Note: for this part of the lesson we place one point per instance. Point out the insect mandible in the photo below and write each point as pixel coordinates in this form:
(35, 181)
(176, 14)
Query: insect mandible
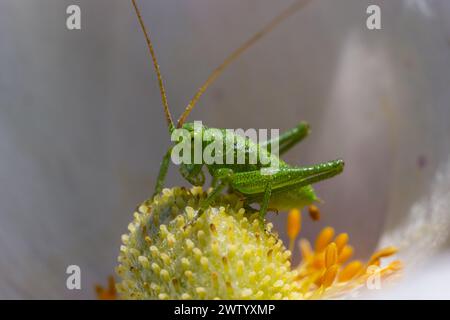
(286, 188)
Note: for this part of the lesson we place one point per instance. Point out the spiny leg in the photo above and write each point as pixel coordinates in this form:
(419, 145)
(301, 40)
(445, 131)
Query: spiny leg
(265, 200)
(253, 182)
(162, 173)
(289, 138)
(318, 176)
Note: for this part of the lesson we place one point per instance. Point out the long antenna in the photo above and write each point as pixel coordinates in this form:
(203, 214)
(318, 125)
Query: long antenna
(155, 64)
(233, 56)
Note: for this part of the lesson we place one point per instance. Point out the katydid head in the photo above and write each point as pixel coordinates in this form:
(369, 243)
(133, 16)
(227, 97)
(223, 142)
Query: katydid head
(190, 169)
(195, 130)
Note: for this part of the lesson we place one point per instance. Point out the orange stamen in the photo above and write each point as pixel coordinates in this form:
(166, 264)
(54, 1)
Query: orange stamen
(341, 240)
(383, 253)
(329, 276)
(346, 253)
(294, 225)
(350, 271)
(330, 255)
(324, 238)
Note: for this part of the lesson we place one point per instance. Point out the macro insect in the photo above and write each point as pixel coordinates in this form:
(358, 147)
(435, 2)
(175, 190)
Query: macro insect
(286, 188)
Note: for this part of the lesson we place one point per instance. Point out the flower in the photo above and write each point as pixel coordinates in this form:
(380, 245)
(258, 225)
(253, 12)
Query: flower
(171, 252)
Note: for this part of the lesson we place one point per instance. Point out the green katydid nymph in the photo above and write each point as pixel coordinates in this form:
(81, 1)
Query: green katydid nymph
(287, 187)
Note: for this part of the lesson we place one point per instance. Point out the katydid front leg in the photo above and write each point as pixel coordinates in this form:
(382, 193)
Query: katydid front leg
(193, 173)
(162, 173)
(223, 176)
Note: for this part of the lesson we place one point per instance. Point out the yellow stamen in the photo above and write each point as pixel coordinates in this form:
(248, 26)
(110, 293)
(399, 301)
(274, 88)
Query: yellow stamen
(330, 255)
(324, 238)
(350, 271)
(376, 262)
(383, 253)
(395, 265)
(341, 240)
(319, 261)
(391, 268)
(346, 253)
(329, 276)
(294, 225)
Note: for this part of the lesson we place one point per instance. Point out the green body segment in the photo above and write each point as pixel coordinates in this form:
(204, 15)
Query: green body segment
(295, 198)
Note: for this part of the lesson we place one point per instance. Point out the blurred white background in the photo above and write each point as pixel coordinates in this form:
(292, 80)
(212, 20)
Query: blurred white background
(82, 130)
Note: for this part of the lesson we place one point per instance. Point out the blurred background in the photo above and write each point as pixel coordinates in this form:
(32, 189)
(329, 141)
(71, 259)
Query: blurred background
(82, 130)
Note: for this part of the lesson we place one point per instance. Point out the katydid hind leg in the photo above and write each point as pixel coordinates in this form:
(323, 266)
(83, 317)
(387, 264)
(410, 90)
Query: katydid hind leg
(308, 181)
(289, 138)
(253, 182)
(298, 178)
